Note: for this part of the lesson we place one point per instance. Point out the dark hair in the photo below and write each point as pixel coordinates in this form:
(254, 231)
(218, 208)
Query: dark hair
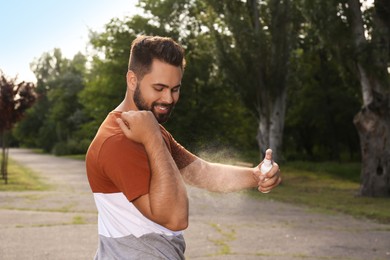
(146, 48)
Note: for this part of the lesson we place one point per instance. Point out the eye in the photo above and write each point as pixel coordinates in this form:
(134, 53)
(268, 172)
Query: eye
(175, 90)
(159, 88)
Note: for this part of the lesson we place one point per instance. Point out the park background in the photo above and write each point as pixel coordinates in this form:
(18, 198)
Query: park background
(281, 74)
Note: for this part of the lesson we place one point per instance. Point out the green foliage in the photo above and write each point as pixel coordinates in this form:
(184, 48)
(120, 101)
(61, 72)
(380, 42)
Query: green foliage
(321, 106)
(58, 114)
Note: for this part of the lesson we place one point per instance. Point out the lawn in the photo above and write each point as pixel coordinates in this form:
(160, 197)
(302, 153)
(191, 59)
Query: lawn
(329, 187)
(21, 178)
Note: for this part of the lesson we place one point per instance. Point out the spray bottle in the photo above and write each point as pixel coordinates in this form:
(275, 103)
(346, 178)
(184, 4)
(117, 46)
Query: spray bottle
(267, 164)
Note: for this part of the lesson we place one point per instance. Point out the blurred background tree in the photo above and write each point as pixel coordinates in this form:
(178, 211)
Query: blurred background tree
(58, 117)
(357, 38)
(15, 99)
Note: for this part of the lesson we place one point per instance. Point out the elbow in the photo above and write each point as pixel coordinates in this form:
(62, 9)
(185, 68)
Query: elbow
(177, 224)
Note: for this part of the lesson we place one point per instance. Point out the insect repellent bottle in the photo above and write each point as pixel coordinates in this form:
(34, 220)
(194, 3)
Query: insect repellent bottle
(267, 162)
(266, 165)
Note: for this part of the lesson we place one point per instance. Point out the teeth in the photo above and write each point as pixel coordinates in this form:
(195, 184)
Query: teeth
(164, 108)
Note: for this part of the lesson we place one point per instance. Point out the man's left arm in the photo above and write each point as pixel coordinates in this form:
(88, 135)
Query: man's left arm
(228, 178)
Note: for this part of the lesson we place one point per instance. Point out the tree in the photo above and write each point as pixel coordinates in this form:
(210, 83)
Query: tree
(259, 50)
(254, 40)
(15, 99)
(372, 52)
(363, 36)
(58, 113)
(322, 98)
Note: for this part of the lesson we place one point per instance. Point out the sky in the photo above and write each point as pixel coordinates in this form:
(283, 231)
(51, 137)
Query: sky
(30, 28)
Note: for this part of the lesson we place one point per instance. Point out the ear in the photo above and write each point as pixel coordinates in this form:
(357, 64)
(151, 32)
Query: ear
(131, 80)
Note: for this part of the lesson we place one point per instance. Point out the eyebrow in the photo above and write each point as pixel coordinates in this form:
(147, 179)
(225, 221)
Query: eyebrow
(166, 86)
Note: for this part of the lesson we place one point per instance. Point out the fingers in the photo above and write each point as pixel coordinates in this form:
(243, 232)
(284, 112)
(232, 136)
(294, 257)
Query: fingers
(270, 180)
(269, 184)
(139, 126)
(262, 177)
(274, 170)
(124, 126)
(127, 116)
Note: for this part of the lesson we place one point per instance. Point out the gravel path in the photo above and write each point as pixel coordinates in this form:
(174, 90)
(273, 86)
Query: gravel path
(61, 223)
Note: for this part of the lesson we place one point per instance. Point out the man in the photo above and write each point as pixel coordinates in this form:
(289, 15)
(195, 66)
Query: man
(137, 171)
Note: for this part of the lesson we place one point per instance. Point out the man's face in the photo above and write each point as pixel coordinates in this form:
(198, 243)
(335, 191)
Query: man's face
(159, 90)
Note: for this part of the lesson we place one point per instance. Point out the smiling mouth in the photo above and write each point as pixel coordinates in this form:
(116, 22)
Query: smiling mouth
(162, 109)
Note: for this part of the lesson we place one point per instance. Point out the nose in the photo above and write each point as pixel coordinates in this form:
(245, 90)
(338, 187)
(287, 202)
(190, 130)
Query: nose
(167, 96)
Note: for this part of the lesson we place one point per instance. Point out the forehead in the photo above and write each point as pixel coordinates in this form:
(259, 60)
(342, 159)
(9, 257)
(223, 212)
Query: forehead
(163, 73)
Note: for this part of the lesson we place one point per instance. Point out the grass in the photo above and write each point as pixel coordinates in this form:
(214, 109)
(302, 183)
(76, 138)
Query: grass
(328, 187)
(222, 243)
(21, 178)
(78, 220)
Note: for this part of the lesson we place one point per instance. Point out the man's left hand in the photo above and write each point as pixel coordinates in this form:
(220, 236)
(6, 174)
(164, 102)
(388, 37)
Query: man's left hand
(268, 181)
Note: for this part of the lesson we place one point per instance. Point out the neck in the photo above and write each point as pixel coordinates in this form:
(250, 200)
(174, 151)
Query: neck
(126, 105)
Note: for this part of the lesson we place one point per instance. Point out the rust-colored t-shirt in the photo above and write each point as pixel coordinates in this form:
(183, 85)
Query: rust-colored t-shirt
(116, 164)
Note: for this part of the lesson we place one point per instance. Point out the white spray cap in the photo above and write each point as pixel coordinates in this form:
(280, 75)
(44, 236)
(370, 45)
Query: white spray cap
(268, 154)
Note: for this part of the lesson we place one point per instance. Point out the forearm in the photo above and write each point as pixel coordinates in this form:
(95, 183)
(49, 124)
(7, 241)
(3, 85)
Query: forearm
(219, 177)
(167, 195)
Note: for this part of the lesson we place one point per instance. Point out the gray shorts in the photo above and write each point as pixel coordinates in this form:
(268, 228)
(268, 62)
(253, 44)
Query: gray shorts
(150, 246)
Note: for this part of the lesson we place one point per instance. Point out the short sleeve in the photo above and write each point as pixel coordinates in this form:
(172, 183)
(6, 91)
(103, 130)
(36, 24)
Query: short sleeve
(126, 164)
(180, 155)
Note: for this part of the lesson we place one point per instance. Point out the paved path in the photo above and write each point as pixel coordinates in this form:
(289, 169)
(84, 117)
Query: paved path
(61, 223)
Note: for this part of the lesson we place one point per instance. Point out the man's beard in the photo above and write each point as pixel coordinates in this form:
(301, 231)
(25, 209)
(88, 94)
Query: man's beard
(142, 105)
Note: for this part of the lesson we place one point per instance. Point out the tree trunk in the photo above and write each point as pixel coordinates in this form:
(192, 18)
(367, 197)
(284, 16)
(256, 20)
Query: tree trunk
(374, 133)
(271, 126)
(4, 157)
(270, 129)
(277, 124)
(263, 132)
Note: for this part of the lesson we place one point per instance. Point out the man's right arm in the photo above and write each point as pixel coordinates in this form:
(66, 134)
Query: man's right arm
(167, 201)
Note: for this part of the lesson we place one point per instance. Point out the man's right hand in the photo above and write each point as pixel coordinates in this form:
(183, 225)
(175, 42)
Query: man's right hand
(139, 126)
